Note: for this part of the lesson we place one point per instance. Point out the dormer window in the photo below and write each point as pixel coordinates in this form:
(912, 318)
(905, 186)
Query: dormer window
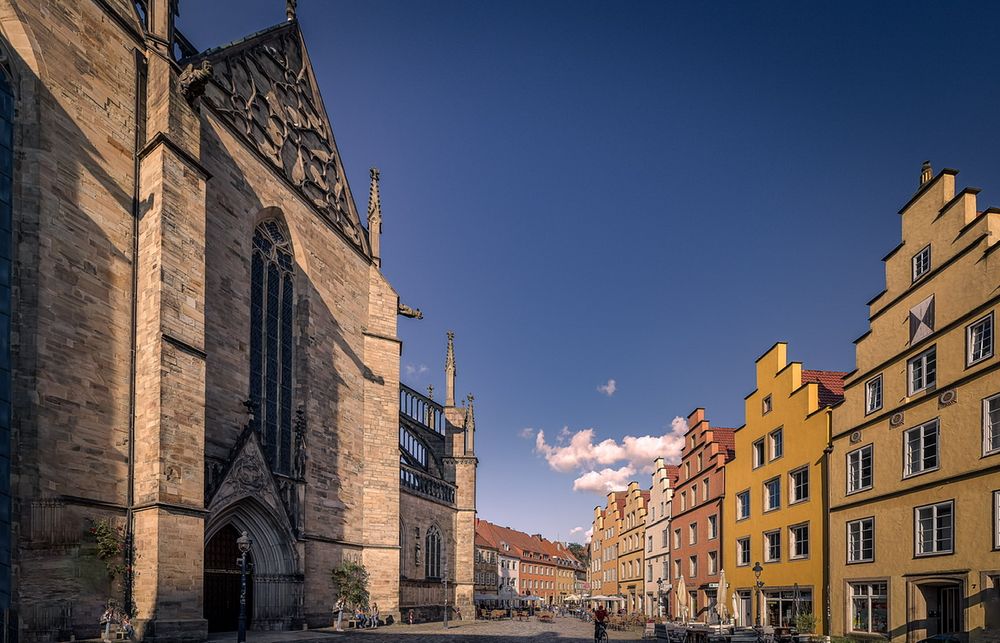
(922, 262)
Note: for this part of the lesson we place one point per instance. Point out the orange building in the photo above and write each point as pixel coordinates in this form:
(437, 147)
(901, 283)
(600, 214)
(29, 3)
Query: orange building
(545, 569)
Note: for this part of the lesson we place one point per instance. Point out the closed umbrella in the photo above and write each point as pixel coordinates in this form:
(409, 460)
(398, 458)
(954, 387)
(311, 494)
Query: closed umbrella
(720, 598)
(681, 599)
(736, 607)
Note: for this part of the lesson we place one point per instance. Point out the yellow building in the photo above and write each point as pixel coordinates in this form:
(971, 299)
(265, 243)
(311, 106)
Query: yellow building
(915, 466)
(604, 545)
(631, 547)
(775, 511)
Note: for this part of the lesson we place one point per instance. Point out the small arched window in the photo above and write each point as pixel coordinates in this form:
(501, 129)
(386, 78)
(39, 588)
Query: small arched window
(271, 311)
(432, 553)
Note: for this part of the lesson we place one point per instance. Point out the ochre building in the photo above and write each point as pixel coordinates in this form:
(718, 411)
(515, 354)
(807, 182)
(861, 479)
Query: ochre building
(775, 510)
(631, 549)
(203, 341)
(915, 467)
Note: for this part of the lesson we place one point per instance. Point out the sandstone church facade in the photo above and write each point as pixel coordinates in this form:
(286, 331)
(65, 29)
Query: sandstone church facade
(201, 342)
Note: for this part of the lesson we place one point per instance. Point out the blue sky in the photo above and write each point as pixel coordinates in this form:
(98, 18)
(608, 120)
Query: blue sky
(649, 192)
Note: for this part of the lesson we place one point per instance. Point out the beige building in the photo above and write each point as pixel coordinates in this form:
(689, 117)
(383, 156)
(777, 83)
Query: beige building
(204, 343)
(915, 465)
(607, 527)
(658, 538)
(631, 549)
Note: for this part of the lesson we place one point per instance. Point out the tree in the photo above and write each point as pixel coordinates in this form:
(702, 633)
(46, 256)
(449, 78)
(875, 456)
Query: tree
(582, 552)
(350, 580)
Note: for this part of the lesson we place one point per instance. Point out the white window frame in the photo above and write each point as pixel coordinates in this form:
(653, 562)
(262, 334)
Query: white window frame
(986, 322)
(868, 595)
(988, 430)
(713, 563)
(874, 393)
(860, 460)
(705, 489)
(920, 267)
(792, 498)
(911, 463)
(996, 520)
(923, 359)
(743, 552)
(766, 405)
(743, 505)
(918, 541)
(693, 533)
(793, 542)
(776, 444)
(759, 453)
(713, 526)
(767, 495)
(860, 534)
(693, 565)
(767, 546)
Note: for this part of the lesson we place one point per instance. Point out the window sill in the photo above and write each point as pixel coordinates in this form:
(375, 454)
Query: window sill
(917, 474)
(979, 361)
(772, 509)
(934, 554)
(860, 562)
(799, 501)
(861, 490)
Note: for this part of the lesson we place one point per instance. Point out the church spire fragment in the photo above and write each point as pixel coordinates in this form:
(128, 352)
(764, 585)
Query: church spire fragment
(449, 371)
(375, 217)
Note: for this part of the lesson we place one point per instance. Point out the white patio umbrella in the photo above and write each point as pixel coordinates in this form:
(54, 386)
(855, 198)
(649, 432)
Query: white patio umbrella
(720, 598)
(736, 608)
(681, 599)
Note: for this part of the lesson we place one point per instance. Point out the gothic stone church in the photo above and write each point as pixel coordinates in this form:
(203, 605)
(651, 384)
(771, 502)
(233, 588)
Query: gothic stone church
(197, 341)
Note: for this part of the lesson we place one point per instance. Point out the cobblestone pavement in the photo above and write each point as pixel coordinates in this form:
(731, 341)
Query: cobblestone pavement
(564, 630)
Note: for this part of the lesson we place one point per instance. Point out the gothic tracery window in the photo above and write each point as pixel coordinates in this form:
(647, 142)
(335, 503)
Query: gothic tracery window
(271, 311)
(432, 553)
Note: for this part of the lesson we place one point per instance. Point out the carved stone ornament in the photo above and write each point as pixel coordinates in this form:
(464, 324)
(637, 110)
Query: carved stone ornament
(406, 311)
(264, 89)
(248, 476)
(194, 79)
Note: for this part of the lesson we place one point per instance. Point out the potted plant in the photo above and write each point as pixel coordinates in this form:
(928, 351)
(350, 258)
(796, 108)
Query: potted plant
(805, 623)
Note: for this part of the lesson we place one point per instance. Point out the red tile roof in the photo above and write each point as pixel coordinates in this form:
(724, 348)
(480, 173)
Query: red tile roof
(831, 385)
(519, 542)
(673, 473)
(726, 439)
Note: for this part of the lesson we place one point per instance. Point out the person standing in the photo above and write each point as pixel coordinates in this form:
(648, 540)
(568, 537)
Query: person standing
(375, 615)
(339, 609)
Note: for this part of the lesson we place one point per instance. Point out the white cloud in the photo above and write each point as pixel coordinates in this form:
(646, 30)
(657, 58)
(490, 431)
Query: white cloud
(605, 480)
(578, 451)
(575, 530)
(609, 388)
(526, 432)
(415, 371)
(588, 536)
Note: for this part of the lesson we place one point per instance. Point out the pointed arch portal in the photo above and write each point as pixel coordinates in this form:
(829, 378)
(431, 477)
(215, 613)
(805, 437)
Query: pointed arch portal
(274, 582)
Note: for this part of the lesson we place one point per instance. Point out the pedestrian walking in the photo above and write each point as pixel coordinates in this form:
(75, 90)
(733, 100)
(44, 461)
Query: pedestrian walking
(339, 609)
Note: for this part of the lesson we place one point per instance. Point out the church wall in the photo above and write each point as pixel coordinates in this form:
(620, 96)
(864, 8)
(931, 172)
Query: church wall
(424, 597)
(73, 185)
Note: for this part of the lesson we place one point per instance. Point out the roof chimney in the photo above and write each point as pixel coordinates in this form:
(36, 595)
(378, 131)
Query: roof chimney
(926, 173)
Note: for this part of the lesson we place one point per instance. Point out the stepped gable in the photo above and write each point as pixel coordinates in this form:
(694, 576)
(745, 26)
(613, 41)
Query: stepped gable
(263, 87)
(831, 385)
(673, 473)
(726, 439)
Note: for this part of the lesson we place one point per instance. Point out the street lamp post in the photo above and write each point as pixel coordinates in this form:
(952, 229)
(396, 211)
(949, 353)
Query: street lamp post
(243, 542)
(757, 569)
(659, 597)
(444, 579)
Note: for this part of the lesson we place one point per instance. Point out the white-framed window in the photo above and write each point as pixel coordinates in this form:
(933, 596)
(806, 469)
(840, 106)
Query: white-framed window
(713, 562)
(693, 566)
(758, 453)
(687, 470)
(869, 608)
(683, 501)
(677, 568)
(772, 494)
(743, 552)
(777, 441)
(979, 340)
(772, 546)
(649, 543)
(991, 425)
(861, 540)
(677, 538)
(996, 520)
(798, 541)
(922, 371)
(743, 505)
(704, 489)
(693, 533)
(765, 405)
(665, 539)
(798, 485)
(873, 394)
(921, 262)
(920, 449)
(700, 466)
(935, 528)
(859, 469)
(649, 572)
(713, 527)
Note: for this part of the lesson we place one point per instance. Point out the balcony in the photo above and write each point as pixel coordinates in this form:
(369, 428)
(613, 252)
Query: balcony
(420, 484)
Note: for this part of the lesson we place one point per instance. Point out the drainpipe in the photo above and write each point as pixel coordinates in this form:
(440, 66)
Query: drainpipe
(825, 475)
(139, 141)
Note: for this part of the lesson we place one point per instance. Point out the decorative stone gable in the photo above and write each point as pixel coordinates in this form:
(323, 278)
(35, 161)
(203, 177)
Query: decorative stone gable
(264, 88)
(248, 476)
